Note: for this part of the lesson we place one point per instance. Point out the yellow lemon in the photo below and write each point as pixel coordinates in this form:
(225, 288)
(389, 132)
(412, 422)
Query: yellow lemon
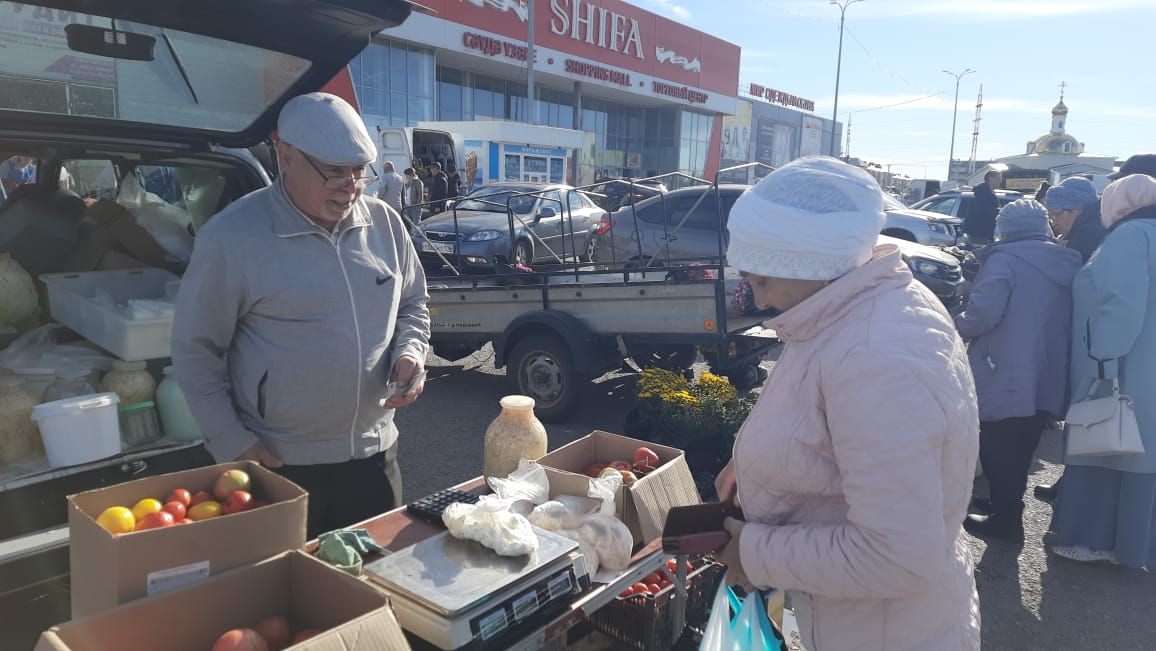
(116, 520)
(146, 506)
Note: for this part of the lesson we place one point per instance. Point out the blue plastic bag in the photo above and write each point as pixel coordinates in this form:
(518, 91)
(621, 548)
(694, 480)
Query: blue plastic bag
(738, 625)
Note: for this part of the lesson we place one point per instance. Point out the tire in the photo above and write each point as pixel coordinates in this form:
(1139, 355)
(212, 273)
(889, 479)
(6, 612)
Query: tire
(900, 234)
(540, 366)
(588, 256)
(522, 254)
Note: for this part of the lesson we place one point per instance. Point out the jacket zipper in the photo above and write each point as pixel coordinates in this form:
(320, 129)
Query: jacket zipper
(356, 333)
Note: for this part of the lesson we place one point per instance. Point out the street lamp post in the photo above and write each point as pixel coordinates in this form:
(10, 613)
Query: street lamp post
(954, 113)
(838, 70)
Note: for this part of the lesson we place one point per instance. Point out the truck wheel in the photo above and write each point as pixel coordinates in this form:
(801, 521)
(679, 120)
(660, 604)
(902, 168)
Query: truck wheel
(540, 367)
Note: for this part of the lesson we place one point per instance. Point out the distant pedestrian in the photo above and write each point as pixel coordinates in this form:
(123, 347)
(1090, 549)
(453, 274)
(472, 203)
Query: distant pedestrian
(1018, 325)
(979, 223)
(391, 186)
(454, 179)
(414, 195)
(1074, 208)
(1136, 164)
(1106, 509)
(439, 188)
(1042, 192)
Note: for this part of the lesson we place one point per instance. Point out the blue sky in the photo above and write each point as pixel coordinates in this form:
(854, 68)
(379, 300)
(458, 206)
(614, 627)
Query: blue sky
(895, 51)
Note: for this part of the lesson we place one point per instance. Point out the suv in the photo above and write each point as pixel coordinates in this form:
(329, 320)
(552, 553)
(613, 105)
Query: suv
(955, 203)
(922, 226)
(623, 192)
(638, 234)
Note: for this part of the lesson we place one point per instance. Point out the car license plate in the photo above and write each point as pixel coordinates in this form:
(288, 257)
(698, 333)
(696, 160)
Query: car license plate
(442, 247)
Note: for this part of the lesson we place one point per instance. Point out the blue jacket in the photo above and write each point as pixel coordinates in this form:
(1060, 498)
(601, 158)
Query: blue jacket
(1115, 319)
(1017, 323)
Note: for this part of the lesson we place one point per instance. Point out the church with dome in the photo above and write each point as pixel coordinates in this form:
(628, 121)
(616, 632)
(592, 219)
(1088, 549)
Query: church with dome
(1052, 157)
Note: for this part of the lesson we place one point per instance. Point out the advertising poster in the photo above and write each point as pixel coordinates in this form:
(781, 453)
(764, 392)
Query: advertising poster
(812, 144)
(737, 136)
(474, 175)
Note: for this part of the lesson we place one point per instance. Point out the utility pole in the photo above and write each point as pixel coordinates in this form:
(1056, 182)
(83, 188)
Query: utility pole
(954, 112)
(532, 114)
(838, 70)
(847, 149)
(975, 133)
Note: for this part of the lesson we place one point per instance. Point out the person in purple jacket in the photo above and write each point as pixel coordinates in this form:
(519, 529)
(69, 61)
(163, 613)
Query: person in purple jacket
(1018, 325)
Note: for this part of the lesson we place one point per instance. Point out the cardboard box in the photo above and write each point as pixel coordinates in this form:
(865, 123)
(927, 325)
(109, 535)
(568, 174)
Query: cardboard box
(642, 506)
(110, 570)
(308, 592)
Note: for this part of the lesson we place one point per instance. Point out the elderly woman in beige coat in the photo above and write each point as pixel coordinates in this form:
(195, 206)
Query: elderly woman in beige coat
(854, 470)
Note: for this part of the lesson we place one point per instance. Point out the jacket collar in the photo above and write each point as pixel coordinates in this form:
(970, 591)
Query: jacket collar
(884, 272)
(289, 221)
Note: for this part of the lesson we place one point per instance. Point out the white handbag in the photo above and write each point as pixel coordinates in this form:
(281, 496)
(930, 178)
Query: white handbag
(1100, 427)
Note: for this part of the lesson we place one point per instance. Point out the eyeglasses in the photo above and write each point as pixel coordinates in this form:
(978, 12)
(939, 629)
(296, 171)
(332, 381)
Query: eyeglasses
(340, 181)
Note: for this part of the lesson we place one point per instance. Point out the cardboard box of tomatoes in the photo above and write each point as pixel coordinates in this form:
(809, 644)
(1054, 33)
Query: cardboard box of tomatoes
(289, 601)
(125, 541)
(659, 476)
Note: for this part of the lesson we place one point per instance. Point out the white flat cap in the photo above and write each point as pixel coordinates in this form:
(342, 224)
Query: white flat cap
(327, 128)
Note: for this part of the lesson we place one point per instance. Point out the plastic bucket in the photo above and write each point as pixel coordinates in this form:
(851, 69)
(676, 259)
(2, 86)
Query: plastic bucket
(79, 430)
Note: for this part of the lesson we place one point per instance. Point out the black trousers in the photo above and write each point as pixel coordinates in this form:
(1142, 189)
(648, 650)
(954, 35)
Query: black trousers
(1006, 448)
(342, 494)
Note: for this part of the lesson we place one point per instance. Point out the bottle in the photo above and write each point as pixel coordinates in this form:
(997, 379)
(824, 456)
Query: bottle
(69, 383)
(131, 382)
(176, 419)
(514, 435)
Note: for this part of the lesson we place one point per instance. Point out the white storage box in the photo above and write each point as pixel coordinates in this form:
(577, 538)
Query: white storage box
(96, 305)
(79, 430)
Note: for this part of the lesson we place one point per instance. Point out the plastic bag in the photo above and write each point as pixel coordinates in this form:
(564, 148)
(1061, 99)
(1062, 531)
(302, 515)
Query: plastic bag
(736, 625)
(528, 483)
(491, 523)
(168, 224)
(610, 538)
(603, 539)
(37, 349)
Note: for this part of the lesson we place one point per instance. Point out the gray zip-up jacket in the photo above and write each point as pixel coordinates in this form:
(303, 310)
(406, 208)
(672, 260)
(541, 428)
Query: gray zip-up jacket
(286, 333)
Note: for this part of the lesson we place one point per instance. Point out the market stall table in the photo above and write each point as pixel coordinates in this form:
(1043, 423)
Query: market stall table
(398, 529)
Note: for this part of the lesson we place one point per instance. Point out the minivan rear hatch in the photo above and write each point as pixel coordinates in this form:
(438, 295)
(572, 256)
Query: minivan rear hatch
(210, 71)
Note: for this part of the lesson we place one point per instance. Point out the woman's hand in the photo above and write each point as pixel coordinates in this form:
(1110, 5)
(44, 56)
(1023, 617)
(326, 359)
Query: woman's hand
(726, 485)
(731, 557)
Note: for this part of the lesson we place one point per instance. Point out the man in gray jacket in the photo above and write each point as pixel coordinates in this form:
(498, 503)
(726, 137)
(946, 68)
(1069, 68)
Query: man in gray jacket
(302, 300)
(391, 186)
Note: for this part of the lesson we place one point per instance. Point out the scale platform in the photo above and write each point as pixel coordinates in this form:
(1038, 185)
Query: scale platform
(457, 594)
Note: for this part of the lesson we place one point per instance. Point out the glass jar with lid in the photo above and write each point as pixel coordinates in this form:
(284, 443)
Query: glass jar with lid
(69, 383)
(514, 435)
(131, 382)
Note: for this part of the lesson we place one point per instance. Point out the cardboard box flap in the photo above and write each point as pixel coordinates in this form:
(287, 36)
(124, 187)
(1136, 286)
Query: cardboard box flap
(674, 488)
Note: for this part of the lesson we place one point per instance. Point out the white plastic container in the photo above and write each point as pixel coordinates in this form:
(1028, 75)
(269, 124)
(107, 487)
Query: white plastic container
(79, 430)
(94, 305)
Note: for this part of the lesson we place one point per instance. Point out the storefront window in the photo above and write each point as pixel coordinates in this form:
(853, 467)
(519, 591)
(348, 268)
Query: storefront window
(394, 83)
(694, 142)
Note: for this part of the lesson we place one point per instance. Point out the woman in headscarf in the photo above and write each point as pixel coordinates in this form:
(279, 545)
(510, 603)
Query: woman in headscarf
(854, 469)
(1018, 325)
(1106, 509)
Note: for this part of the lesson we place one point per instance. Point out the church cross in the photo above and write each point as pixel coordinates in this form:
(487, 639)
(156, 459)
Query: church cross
(1063, 85)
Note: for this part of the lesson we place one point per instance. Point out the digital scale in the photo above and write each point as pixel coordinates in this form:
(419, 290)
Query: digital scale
(457, 594)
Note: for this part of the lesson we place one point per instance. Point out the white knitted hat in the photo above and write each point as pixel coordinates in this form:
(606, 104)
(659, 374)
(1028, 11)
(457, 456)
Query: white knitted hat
(815, 218)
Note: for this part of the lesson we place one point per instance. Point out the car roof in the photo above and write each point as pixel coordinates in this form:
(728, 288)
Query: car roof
(326, 34)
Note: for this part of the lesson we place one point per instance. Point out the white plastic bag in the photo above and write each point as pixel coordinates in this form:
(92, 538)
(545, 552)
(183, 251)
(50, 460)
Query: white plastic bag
(528, 482)
(738, 626)
(166, 223)
(491, 523)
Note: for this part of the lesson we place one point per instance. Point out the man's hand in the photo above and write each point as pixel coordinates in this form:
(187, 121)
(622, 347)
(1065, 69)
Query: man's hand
(405, 370)
(731, 557)
(261, 455)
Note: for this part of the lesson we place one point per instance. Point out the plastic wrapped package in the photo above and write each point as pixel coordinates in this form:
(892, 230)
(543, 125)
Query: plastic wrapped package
(585, 548)
(610, 538)
(19, 436)
(491, 523)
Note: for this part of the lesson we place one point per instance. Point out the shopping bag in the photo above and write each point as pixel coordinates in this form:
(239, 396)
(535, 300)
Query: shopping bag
(738, 625)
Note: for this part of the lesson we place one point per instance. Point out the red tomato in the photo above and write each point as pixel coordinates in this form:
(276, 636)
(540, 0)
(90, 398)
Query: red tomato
(626, 593)
(639, 588)
(654, 588)
(177, 509)
(650, 578)
(179, 495)
(240, 639)
(238, 501)
(155, 520)
(305, 634)
(198, 497)
(275, 630)
(646, 457)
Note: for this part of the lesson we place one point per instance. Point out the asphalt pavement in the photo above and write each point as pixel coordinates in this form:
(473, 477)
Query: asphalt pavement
(1030, 600)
